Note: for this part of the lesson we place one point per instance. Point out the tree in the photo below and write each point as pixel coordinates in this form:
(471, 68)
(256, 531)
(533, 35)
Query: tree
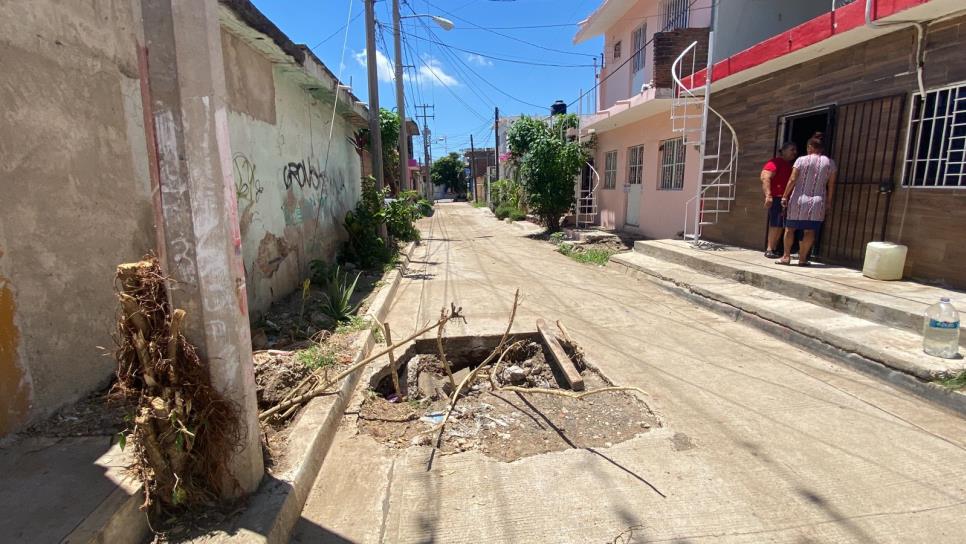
(389, 126)
(549, 162)
(450, 172)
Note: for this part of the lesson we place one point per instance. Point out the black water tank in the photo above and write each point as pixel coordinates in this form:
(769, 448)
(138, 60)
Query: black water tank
(558, 108)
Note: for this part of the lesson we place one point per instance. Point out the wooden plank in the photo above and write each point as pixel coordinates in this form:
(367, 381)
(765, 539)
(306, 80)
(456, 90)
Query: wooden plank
(559, 358)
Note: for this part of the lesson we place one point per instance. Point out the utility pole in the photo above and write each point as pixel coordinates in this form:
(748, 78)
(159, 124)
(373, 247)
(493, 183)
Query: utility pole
(375, 135)
(496, 149)
(426, 143)
(400, 101)
(473, 166)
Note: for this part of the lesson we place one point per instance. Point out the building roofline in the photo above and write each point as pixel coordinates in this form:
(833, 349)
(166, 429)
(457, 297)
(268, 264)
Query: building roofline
(825, 34)
(597, 23)
(300, 54)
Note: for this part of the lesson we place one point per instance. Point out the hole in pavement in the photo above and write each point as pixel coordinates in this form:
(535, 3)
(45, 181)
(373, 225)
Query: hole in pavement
(504, 425)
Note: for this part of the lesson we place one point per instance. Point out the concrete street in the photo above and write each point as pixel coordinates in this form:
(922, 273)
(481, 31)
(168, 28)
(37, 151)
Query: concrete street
(761, 442)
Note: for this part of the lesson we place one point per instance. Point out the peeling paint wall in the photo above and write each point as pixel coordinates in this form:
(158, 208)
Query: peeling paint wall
(75, 197)
(293, 185)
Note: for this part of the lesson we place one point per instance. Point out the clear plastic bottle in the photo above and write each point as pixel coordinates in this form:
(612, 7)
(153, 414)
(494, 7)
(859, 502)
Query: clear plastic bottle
(940, 330)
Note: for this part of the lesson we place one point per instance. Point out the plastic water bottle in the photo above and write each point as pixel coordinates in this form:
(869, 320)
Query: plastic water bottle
(940, 330)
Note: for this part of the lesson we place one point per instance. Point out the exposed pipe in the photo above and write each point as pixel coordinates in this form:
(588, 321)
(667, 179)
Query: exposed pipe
(920, 62)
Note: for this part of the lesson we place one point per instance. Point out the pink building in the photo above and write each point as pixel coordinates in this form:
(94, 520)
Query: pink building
(646, 172)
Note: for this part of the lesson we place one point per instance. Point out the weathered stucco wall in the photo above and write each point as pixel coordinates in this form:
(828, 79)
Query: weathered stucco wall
(75, 195)
(293, 186)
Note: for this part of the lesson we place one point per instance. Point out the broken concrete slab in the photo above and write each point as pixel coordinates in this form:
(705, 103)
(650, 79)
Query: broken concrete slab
(559, 358)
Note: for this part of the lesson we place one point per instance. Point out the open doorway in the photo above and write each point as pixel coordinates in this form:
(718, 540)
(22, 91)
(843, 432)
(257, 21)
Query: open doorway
(798, 128)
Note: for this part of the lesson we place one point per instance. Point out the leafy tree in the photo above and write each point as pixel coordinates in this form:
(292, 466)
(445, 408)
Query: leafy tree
(449, 172)
(548, 165)
(389, 126)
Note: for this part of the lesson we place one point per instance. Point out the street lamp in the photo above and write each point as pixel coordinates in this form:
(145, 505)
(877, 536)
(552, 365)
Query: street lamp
(445, 140)
(443, 23)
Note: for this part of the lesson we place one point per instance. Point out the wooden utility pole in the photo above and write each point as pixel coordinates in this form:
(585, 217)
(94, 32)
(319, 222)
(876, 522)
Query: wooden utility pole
(426, 139)
(375, 134)
(473, 166)
(400, 102)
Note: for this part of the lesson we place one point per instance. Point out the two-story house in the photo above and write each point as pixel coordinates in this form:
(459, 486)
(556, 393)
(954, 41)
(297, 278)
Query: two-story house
(885, 80)
(642, 166)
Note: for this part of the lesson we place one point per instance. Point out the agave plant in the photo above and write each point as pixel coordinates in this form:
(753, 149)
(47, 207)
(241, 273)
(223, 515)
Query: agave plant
(338, 294)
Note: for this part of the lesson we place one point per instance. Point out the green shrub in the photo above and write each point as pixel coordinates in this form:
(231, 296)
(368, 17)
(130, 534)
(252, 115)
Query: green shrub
(364, 246)
(557, 238)
(337, 299)
(400, 216)
(516, 214)
(502, 212)
(507, 192)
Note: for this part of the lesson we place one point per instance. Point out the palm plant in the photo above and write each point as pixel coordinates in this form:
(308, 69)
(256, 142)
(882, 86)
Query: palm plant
(337, 298)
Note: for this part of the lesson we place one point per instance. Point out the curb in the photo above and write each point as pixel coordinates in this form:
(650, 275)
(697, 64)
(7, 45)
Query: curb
(929, 391)
(276, 507)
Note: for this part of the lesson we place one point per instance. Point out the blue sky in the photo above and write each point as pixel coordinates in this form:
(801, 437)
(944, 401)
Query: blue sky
(461, 78)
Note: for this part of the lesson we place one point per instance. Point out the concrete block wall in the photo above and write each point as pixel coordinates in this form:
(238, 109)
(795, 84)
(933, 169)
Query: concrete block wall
(75, 195)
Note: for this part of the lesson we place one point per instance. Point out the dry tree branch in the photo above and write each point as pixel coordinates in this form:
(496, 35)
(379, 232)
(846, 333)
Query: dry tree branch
(319, 391)
(472, 375)
(392, 361)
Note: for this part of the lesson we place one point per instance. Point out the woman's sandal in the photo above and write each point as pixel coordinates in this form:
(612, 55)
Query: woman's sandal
(783, 262)
(804, 263)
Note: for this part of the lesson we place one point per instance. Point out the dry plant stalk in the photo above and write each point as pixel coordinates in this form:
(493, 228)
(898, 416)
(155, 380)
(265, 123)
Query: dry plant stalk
(183, 430)
(318, 391)
(472, 375)
(537, 390)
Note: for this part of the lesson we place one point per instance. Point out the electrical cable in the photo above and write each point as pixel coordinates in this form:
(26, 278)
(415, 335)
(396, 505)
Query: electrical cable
(531, 44)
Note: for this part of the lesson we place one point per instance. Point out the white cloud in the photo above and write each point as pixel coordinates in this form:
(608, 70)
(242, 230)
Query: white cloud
(384, 68)
(430, 72)
(473, 58)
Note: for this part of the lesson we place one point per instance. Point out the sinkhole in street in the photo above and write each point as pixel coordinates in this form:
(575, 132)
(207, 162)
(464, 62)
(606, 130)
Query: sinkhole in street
(516, 406)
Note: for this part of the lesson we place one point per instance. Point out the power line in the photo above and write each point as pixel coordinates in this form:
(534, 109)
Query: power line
(561, 25)
(337, 32)
(481, 78)
(501, 59)
(514, 38)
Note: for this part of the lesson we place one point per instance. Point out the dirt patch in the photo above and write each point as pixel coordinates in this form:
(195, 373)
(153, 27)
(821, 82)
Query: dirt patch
(503, 425)
(98, 414)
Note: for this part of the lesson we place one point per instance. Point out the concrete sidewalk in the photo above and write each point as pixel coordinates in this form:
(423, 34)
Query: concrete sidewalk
(761, 442)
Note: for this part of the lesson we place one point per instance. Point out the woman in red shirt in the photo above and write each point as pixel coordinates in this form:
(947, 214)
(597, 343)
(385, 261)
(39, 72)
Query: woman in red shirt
(774, 178)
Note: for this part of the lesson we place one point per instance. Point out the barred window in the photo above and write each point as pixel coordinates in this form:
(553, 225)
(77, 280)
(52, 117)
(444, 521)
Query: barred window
(672, 164)
(936, 143)
(638, 40)
(617, 50)
(610, 170)
(675, 14)
(635, 164)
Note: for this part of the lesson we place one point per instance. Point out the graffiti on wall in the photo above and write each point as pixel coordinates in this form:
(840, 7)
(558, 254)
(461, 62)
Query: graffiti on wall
(297, 173)
(247, 185)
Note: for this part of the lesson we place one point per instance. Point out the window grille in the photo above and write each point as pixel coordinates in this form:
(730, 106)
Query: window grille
(610, 170)
(676, 13)
(672, 164)
(617, 50)
(638, 39)
(936, 142)
(635, 164)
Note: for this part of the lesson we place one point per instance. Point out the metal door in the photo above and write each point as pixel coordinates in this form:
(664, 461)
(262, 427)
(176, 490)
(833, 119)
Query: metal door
(634, 185)
(866, 151)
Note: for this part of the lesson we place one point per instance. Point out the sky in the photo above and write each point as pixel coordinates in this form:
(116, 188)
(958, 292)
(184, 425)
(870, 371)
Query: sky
(517, 55)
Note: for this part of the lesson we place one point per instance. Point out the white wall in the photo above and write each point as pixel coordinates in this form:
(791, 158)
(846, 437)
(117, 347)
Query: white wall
(744, 23)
